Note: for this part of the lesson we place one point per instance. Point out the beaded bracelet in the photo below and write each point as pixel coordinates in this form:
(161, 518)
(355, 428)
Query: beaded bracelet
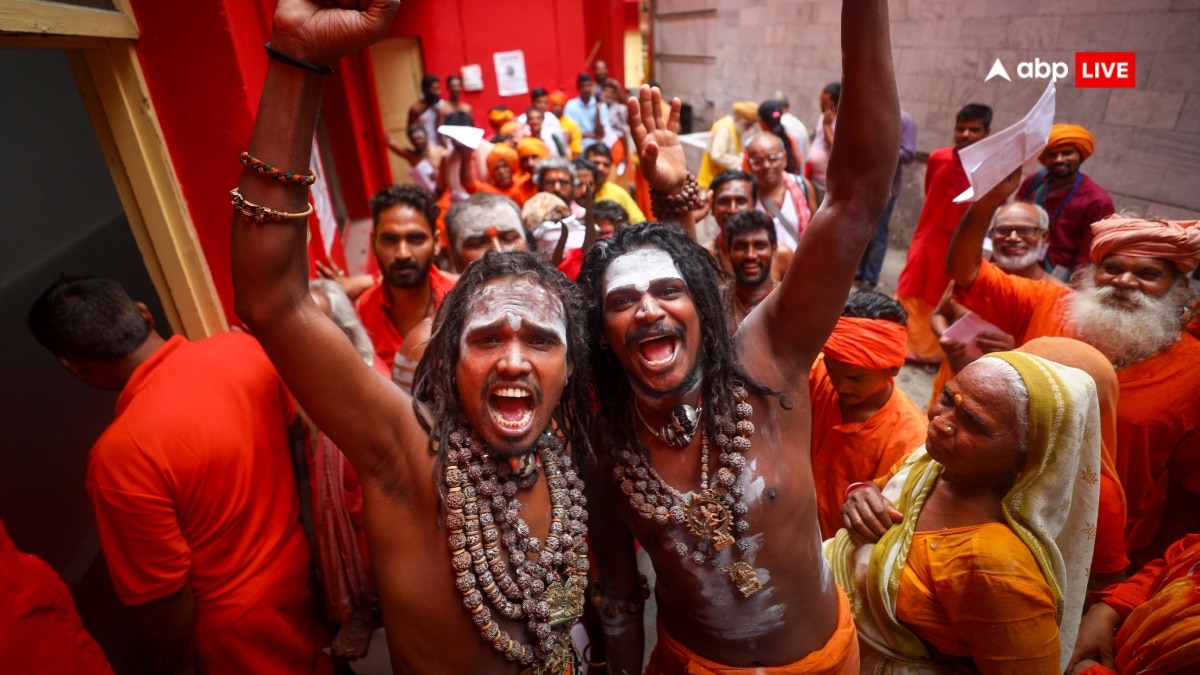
(256, 164)
(257, 213)
(295, 62)
(672, 206)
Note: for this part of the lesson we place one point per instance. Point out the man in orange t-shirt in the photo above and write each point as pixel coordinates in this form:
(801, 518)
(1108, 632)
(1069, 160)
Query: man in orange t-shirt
(862, 423)
(405, 242)
(1130, 305)
(192, 485)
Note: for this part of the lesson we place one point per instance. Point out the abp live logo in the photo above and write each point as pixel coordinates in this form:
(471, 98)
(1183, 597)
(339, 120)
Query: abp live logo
(1097, 70)
(1093, 70)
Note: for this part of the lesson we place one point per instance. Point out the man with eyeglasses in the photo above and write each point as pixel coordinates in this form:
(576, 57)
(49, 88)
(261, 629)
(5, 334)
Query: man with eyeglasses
(557, 176)
(789, 199)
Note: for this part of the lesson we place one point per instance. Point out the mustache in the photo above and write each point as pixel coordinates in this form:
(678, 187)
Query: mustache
(656, 330)
(404, 266)
(1132, 296)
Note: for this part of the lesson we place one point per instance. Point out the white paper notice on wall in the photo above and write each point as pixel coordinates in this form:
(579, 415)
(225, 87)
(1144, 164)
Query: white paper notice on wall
(472, 76)
(989, 161)
(510, 73)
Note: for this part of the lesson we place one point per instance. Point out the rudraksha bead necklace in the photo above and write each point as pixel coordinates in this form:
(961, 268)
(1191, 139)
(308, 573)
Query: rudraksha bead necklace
(483, 515)
(717, 512)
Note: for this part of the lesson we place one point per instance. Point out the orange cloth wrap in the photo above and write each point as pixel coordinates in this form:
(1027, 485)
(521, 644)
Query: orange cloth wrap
(1174, 240)
(532, 146)
(839, 656)
(499, 117)
(868, 343)
(504, 153)
(1072, 134)
(557, 98)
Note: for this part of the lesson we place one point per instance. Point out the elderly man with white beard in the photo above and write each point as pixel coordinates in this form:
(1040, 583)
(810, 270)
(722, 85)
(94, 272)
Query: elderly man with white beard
(1132, 304)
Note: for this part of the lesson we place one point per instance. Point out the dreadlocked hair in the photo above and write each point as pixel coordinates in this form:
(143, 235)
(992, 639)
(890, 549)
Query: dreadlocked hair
(719, 367)
(436, 400)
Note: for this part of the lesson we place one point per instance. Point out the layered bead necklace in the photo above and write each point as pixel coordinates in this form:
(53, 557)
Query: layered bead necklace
(715, 514)
(483, 516)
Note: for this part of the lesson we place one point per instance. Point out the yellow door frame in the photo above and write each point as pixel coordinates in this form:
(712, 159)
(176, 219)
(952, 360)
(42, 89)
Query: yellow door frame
(100, 50)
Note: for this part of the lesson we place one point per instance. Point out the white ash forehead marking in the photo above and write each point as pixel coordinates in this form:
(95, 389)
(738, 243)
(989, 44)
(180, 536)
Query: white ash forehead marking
(639, 269)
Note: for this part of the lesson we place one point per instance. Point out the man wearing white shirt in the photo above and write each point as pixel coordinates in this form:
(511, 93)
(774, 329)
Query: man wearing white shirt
(551, 133)
(587, 111)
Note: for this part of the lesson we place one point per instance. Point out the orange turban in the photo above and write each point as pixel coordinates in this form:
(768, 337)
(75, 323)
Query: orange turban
(1174, 240)
(876, 344)
(747, 110)
(499, 117)
(1072, 134)
(532, 146)
(502, 152)
(558, 98)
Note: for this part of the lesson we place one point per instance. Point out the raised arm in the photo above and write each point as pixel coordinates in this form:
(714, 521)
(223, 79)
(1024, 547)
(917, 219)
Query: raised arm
(320, 366)
(659, 149)
(780, 339)
(966, 245)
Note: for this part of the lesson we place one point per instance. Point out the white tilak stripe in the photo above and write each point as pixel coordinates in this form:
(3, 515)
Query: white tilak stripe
(639, 269)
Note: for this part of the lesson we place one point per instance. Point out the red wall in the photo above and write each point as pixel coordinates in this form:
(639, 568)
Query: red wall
(204, 66)
(455, 33)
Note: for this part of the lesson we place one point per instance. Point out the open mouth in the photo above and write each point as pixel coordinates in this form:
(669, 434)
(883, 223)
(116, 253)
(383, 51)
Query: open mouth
(511, 408)
(659, 351)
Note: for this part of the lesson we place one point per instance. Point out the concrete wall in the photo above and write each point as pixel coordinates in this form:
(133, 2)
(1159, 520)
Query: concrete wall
(1148, 139)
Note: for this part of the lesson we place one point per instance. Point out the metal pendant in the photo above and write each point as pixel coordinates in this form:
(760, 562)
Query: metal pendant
(708, 519)
(745, 578)
(563, 658)
(566, 602)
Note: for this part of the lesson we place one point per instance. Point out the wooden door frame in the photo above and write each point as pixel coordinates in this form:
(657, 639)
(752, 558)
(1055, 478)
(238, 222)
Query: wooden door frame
(99, 46)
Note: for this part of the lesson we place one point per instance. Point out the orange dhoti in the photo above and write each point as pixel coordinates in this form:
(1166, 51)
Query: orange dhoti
(839, 656)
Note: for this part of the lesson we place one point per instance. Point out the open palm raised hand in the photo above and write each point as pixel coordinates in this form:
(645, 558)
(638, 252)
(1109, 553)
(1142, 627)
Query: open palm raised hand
(657, 140)
(323, 32)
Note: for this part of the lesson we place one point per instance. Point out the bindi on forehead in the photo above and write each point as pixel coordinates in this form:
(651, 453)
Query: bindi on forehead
(638, 269)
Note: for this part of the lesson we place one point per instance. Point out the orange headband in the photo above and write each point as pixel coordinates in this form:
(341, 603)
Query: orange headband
(876, 344)
(1174, 240)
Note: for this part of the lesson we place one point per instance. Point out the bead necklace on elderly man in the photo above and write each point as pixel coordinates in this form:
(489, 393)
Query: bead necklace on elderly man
(483, 515)
(708, 514)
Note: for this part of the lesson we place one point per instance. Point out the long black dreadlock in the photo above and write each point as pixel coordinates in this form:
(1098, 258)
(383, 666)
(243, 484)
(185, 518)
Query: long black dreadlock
(718, 363)
(434, 383)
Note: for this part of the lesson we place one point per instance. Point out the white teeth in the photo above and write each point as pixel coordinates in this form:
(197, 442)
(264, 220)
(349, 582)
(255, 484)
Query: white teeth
(512, 393)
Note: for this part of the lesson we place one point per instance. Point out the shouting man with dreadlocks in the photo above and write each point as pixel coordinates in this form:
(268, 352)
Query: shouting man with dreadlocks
(481, 562)
(706, 437)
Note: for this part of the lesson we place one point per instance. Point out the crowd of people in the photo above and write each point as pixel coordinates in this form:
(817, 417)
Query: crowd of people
(537, 384)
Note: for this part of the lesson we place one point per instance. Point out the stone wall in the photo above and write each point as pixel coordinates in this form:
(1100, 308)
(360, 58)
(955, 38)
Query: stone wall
(711, 53)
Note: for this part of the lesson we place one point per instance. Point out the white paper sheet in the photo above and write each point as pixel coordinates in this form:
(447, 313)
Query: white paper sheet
(510, 72)
(989, 161)
(468, 136)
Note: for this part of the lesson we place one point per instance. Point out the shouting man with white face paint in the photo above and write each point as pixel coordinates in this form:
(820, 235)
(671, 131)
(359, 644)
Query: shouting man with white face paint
(457, 511)
(706, 435)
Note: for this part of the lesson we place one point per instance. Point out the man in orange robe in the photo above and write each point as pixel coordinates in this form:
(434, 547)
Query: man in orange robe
(40, 631)
(504, 168)
(922, 280)
(192, 485)
(1130, 305)
(1157, 615)
(862, 423)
